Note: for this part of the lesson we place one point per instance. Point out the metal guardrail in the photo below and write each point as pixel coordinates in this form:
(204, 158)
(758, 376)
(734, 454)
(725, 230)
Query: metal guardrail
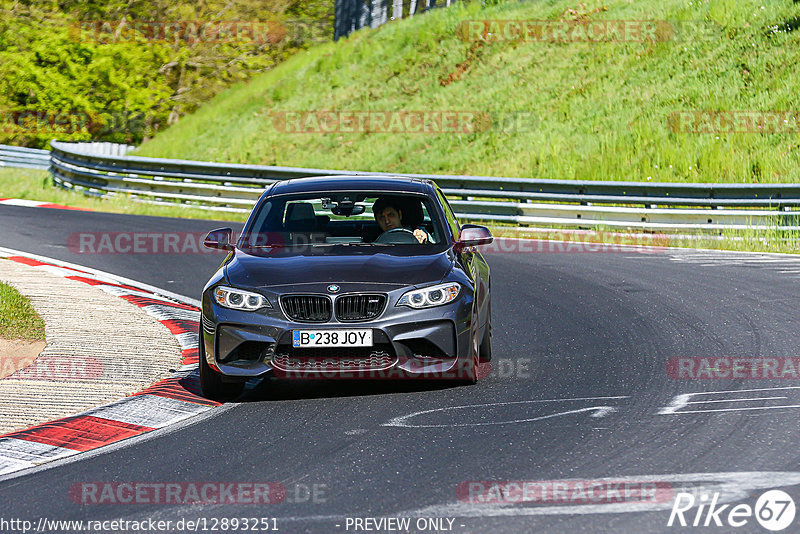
(517, 201)
(102, 148)
(351, 15)
(25, 158)
(34, 158)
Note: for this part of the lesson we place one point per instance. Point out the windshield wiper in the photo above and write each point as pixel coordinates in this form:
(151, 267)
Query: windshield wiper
(353, 244)
(356, 244)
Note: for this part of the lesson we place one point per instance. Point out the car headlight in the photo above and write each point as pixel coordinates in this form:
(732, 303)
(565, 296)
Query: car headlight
(237, 299)
(430, 296)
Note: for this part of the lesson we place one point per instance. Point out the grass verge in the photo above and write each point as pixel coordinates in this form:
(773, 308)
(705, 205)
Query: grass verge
(33, 184)
(18, 319)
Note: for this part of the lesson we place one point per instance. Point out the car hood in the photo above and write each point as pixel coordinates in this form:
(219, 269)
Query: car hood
(245, 270)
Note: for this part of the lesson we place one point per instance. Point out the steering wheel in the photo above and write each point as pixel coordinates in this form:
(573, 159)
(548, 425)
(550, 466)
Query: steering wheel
(397, 236)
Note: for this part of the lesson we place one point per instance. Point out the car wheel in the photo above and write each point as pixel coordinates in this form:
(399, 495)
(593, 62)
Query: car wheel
(210, 381)
(486, 343)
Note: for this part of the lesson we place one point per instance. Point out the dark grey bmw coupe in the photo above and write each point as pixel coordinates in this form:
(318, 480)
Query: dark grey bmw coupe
(347, 277)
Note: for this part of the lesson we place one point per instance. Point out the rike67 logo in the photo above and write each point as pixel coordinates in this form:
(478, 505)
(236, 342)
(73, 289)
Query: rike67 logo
(774, 510)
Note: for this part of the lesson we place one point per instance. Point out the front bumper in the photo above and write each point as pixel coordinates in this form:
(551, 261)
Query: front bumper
(407, 343)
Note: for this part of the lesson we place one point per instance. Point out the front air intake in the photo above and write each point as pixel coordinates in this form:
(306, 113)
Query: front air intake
(359, 307)
(307, 308)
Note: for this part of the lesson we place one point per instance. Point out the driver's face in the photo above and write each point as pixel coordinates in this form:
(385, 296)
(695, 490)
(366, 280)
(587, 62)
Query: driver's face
(389, 219)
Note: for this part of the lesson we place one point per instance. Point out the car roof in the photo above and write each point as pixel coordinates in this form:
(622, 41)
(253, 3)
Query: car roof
(352, 183)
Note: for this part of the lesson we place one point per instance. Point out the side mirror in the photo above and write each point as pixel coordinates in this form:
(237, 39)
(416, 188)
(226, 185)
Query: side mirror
(473, 235)
(220, 239)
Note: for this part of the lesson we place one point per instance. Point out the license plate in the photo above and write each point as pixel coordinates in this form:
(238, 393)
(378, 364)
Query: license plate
(332, 338)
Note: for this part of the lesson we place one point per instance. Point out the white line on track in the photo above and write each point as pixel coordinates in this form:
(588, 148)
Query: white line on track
(740, 409)
(682, 400)
(600, 411)
(736, 400)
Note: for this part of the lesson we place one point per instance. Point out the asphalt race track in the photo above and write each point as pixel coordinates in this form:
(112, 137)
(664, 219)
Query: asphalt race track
(579, 390)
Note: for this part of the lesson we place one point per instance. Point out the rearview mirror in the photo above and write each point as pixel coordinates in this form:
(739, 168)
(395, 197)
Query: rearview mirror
(219, 239)
(347, 211)
(347, 208)
(473, 235)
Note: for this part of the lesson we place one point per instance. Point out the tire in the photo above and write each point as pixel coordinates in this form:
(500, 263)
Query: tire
(211, 381)
(486, 342)
(471, 368)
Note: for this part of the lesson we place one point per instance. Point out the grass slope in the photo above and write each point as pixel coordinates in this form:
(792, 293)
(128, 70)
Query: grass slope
(601, 109)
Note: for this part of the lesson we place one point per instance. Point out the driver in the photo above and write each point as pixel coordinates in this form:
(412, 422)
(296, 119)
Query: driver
(389, 216)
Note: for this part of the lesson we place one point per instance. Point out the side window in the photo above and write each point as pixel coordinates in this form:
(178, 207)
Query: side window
(449, 215)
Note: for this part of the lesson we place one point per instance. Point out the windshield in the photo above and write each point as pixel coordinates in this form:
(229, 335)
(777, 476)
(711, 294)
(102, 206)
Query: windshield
(355, 219)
